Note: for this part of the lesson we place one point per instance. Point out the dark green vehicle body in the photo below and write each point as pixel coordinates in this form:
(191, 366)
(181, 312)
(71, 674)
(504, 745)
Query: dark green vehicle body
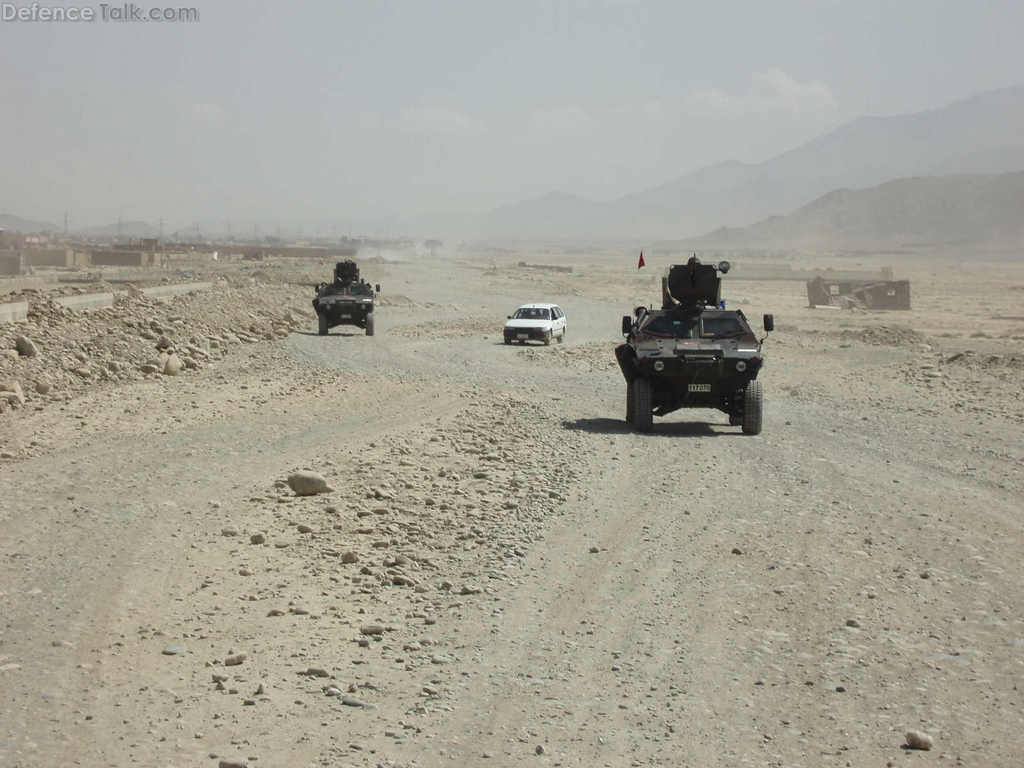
(692, 353)
(347, 300)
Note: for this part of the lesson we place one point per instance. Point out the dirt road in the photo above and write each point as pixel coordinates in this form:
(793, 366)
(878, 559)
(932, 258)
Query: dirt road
(504, 574)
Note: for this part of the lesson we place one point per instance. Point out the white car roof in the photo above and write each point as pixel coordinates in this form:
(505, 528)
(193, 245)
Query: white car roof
(540, 305)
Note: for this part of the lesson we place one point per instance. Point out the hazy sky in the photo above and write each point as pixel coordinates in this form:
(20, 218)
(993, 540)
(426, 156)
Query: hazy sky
(361, 112)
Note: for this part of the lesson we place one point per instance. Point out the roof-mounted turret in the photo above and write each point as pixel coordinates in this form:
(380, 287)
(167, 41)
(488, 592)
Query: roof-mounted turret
(693, 286)
(346, 272)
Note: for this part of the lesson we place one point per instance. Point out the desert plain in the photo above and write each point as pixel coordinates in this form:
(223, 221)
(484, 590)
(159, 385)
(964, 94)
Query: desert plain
(503, 573)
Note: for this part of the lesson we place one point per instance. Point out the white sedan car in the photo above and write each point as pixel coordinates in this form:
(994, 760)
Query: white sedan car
(537, 322)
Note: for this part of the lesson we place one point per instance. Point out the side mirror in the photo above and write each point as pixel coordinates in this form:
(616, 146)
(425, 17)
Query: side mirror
(769, 323)
(508, 317)
(723, 266)
(378, 287)
(627, 325)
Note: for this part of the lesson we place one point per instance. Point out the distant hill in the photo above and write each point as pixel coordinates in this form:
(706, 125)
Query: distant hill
(18, 224)
(942, 210)
(125, 229)
(980, 135)
(552, 214)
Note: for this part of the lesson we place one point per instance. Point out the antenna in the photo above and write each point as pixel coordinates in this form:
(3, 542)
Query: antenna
(65, 223)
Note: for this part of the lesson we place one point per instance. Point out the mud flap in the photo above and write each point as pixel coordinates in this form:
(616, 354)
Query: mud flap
(627, 361)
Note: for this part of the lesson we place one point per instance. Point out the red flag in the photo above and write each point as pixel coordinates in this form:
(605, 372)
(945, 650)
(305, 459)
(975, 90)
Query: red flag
(641, 264)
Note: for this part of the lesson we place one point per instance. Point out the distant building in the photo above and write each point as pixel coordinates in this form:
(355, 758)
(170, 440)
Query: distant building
(11, 239)
(48, 257)
(11, 263)
(118, 257)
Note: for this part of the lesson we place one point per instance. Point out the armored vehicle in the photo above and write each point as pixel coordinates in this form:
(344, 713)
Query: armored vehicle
(348, 300)
(692, 353)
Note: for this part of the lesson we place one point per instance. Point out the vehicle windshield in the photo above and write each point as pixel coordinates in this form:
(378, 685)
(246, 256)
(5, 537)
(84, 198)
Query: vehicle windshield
(722, 327)
(352, 289)
(532, 313)
(663, 325)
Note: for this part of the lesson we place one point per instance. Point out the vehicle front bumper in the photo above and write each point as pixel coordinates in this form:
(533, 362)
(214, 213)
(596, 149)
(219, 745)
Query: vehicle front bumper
(527, 334)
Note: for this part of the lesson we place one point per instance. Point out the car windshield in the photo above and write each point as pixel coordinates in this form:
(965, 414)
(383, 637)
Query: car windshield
(663, 325)
(532, 313)
(722, 327)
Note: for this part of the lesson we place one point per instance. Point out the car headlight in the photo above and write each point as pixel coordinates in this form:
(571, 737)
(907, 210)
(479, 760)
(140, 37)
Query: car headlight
(659, 365)
(741, 366)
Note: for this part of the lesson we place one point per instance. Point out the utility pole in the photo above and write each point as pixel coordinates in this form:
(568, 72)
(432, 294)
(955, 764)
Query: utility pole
(65, 223)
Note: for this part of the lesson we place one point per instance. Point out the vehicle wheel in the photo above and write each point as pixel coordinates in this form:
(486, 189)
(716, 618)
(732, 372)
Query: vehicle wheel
(561, 336)
(629, 402)
(508, 340)
(643, 418)
(753, 400)
(547, 338)
(322, 324)
(369, 324)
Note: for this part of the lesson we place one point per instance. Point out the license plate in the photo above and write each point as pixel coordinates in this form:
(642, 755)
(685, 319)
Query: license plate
(522, 335)
(345, 317)
(700, 387)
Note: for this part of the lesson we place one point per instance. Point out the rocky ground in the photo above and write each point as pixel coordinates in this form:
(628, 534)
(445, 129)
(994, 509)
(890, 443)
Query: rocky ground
(497, 571)
(58, 352)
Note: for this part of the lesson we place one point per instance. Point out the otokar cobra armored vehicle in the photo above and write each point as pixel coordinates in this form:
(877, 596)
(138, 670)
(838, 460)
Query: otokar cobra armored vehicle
(348, 300)
(692, 353)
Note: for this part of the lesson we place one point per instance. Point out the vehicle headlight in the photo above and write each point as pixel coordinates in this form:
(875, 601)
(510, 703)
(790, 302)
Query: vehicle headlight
(741, 366)
(659, 365)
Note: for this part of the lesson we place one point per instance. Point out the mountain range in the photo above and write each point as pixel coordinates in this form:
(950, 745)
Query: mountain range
(123, 229)
(983, 134)
(18, 224)
(927, 211)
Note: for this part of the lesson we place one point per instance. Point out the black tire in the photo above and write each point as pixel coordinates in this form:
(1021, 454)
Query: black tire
(753, 404)
(508, 340)
(547, 338)
(369, 324)
(629, 403)
(561, 336)
(643, 418)
(322, 324)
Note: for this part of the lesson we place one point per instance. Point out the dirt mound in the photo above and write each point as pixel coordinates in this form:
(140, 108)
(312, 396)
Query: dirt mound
(133, 339)
(394, 300)
(583, 357)
(986, 362)
(886, 336)
(464, 328)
